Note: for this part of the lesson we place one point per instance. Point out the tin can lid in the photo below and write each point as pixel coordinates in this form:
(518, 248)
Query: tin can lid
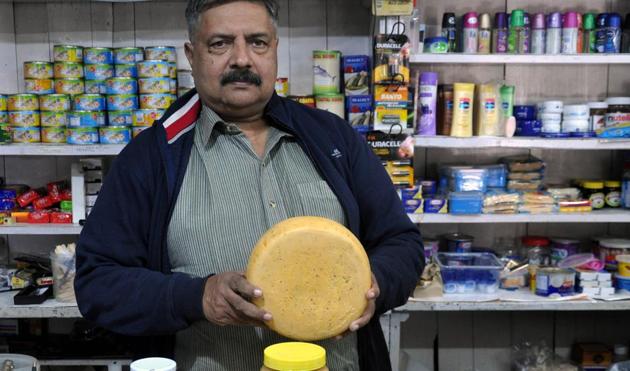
(517, 18)
(612, 184)
(593, 185)
(554, 20)
(484, 21)
(539, 21)
(615, 243)
(614, 20)
(565, 241)
(458, 237)
(471, 20)
(429, 78)
(534, 241)
(570, 20)
(600, 21)
(618, 101)
(449, 20)
(588, 22)
(597, 105)
(500, 20)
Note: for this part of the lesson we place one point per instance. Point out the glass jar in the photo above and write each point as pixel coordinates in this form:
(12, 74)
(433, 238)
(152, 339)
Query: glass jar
(294, 356)
(612, 193)
(538, 254)
(594, 192)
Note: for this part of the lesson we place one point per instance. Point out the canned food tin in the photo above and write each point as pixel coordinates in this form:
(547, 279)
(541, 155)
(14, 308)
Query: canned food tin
(98, 71)
(25, 134)
(23, 102)
(39, 87)
(69, 86)
(38, 70)
(3, 102)
(136, 130)
(555, 281)
(120, 118)
(161, 53)
(146, 117)
(122, 102)
(68, 70)
(4, 117)
(154, 85)
(82, 135)
(156, 101)
(185, 79)
(54, 119)
(128, 55)
(5, 134)
(53, 134)
(152, 68)
(307, 100)
(86, 118)
(98, 56)
(173, 89)
(122, 85)
(54, 102)
(95, 87)
(172, 70)
(458, 242)
(89, 102)
(24, 118)
(67, 53)
(126, 70)
(115, 134)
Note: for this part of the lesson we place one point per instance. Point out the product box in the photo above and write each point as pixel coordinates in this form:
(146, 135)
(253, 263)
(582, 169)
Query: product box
(387, 148)
(435, 205)
(392, 7)
(356, 75)
(359, 112)
(391, 59)
(391, 108)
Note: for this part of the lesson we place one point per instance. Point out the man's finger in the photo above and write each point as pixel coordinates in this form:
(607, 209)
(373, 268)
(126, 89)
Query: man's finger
(246, 309)
(244, 288)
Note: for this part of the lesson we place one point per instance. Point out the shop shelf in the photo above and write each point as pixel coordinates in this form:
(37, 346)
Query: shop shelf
(522, 142)
(578, 305)
(457, 58)
(43, 149)
(51, 308)
(601, 216)
(40, 229)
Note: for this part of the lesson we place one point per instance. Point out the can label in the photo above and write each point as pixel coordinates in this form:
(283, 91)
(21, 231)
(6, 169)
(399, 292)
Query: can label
(122, 102)
(23, 102)
(3, 102)
(82, 135)
(86, 118)
(54, 102)
(4, 117)
(326, 65)
(69, 86)
(95, 87)
(154, 85)
(98, 71)
(120, 118)
(162, 53)
(24, 118)
(156, 101)
(38, 70)
(122, 85)
(54, 119)
(282, 86)
(98, 56)
(89, 102)
(128, 55)
(67, 53)
(39, 87)
(556, 283)
(126, 70)
(53, 135)
(68, 70)
(146, 117)
(26, 134)
(153, 69)
(115, 135)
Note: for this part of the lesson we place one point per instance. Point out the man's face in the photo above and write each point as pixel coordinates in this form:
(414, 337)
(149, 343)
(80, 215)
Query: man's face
(234, 57)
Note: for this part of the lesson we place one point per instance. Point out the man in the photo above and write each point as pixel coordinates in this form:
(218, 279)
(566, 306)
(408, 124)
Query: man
(164, 248)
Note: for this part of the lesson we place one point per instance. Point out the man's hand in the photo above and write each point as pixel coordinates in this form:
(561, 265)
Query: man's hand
(368, 313)
(226, 301)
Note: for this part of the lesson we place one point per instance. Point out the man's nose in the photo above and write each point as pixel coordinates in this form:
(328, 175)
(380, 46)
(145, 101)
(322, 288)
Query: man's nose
(240, 55)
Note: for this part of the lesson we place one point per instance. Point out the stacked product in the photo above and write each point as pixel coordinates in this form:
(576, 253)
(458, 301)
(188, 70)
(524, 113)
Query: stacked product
(38, 78)
(185, 82)
(595, 283)
(99, 66)
(54, 117)
(5, 131)
(86, 119)
(155, 97)
(326, 81)
(423, 198)
(24, 118)
(525, 173)
(550, 116)
(21, 204)
(167, 54)
(527, 125)
(93, 171)
(498, 201)
(569, 199)
(68, 69)
(356, 76)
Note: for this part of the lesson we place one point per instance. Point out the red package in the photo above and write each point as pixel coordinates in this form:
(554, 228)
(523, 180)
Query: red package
(26, 198)
(56, 187)
(59, 217)
(43, 203)
(39, 217)
(56, 197)
(66, 195)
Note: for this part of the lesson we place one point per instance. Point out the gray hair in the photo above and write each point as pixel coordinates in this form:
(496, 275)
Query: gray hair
(195, 8)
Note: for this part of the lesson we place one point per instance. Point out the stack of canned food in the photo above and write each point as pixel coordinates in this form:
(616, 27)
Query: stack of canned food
(91, 95)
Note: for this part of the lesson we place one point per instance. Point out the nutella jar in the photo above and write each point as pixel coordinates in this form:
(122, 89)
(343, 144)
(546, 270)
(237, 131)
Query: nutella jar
(618, 112)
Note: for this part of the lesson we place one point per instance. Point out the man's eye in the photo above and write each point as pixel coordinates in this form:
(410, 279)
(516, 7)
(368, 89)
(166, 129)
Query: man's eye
(218, 45)
(259, 43)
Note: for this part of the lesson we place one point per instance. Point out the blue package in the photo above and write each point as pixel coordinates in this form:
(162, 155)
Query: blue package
(359, 112)
(8, 194)
(435, 205)
(356, 74)
(466, 180)
(411, 198)
(583, 134)
(525, 112)
(429, 187)
(528, 128)
(465, 202)
(497, 175)
(555, 135)
(7, 204)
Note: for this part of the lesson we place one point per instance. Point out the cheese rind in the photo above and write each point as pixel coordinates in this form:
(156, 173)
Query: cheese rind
(314, 274)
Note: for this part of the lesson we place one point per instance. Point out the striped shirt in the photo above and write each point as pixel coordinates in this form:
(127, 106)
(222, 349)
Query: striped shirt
(229, 198)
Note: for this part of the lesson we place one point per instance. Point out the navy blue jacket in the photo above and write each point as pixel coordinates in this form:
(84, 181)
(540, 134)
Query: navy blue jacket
(124, 281)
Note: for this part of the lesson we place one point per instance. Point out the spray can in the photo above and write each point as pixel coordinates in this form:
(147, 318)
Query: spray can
(516, 39)
(471, 32)
(485, 34)
(600, 24)
(580, 38)
(613, 33)
(538, 34)
(500, 34)
(527, 33)
(553, 44)
(449, 30)
(590, 34)
(625, 38)
(427, 99)
(569, 33)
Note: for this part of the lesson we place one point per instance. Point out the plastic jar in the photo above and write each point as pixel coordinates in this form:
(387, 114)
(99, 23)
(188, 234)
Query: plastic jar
(597, 113)
(612, 193)
(609, 248)
(294, 356)
(537, 250)
(594, 192)
(561, 248)
(618, 111)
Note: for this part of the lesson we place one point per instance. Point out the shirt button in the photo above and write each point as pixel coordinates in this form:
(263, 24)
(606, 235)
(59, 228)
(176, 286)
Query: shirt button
(272, 204)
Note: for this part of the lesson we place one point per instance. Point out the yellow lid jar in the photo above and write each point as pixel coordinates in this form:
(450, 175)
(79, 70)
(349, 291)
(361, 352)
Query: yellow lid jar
(294, 356)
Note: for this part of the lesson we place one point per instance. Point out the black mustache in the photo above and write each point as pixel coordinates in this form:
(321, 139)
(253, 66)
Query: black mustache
(241, 76)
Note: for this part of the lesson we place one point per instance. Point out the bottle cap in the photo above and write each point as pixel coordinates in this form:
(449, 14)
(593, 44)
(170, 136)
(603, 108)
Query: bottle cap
(471, 20)
(517, 18)
(500, 20)
(569, 20)
(539, 21)
(449, 20)
(626, 25)
(579, 20)
(428, 78)
(484, 21)
(601, 20)
(526, 20)
(554, 20)
(588, 21)
(614, 20)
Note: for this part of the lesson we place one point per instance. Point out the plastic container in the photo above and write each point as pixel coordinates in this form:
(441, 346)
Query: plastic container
(497, 175)
(469, 273)
(576, 112)
(466, 180)
(609, 248)
(528, 128)
(597, 113)
(623, 265)
(555, 281)
(525, 112)
(561, 248)
(294, 356)
(462, 203)
(551, 106)
(537, 250)
(470, 35)
(427, 102)
(463, 100)
(623, 283)
(153, 364)
(20, 362)
(488, 111)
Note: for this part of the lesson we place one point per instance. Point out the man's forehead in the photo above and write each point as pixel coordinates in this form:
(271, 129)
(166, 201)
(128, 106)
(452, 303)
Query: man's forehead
(248, 20)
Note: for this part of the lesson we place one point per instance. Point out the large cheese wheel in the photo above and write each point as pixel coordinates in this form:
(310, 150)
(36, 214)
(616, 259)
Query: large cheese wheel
(314, 274)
